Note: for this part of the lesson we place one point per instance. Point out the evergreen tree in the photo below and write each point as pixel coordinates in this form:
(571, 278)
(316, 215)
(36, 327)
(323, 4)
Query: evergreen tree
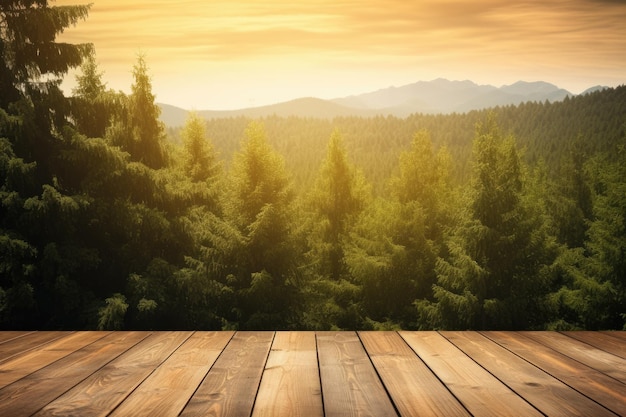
(423, 191)
(591, 291)
(43, 213)
(200, 161)
(338, 197)
(260, 206)
(92, 105)
(28, 30)
(140, 132)
(194, 177)
(496, 274)
(396, 243)
(606, 246)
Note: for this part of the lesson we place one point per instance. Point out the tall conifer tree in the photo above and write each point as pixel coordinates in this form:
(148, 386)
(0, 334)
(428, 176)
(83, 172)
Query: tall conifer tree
(139, 131)
(338, 196)
(496, 273)
(92, 106)
(38, 217)
(261, 208)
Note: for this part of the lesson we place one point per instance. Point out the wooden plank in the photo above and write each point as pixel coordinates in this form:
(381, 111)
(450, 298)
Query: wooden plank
(30, 361)
(230, 386)
(549, 395)
(605, 362)
(602, 341)
(105, 389)
(615, 333)
(595, 385)
(290, 385)
(414, 389)
(350, 385)
(7, 335)
(30, 341)
(31, 393)
(166, 391)
(479, 391)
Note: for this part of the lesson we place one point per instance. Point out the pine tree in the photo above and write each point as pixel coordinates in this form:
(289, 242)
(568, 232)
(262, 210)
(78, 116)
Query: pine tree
(260, 206)
(200, 162)
(40, 217)
(423, 191)
(28, 49)
(92, 106)
(606, 246)
(496, 274)
(140, 132)
(396, 243)
(591, 279)
(144, 117)
(572, 206)
(338, 196)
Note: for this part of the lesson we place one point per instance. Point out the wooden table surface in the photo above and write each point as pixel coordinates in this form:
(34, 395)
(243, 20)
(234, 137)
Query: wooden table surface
(312, 373)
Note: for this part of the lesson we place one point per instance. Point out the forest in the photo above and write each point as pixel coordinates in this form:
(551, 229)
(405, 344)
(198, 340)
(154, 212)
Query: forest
(508, 218)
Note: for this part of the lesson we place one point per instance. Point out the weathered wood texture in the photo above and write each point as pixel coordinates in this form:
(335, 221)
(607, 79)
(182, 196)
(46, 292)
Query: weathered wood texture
(290, 385)
(312, 373)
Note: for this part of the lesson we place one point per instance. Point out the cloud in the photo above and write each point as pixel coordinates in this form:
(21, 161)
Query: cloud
(365, 35)
(232, 30)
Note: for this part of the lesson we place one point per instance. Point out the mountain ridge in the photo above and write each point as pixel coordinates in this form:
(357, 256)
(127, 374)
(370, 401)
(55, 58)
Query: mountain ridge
(439, 96)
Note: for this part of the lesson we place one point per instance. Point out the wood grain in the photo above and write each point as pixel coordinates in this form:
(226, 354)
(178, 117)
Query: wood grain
(290, 385)
(32, 360)
(595, 385)
(11, 334)
(105, 389)
(166, 391)
(549, 395)
(312, 374)
(231, 385)
(614, 333)
(469, 382)
(350, 384)
(605, 362)
(414, 389)
(16, 346)
(604, 341)
(31, 393)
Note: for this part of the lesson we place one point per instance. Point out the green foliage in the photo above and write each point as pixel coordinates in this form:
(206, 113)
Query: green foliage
(497, 271)
(261, 203)
(200, 162)
(138, 130)
(260, 206)
(337, 198)
(92, 106)
(428, 228)
(27, 47)
(111, 317)
(396, 246)
(148, 131)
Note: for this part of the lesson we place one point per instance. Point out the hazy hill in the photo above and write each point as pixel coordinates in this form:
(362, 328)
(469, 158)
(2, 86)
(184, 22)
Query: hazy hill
(301, 107)
(437, 96)
(427, 97)
(444, 96)
(171, 115)
(594, 89)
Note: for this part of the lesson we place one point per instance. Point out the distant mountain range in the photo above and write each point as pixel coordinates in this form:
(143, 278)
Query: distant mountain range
(431, 97)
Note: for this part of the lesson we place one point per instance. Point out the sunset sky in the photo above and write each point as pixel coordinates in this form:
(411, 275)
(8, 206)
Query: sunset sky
(223, 54)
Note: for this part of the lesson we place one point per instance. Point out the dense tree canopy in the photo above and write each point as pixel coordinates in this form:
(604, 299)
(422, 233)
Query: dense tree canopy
(512, 218)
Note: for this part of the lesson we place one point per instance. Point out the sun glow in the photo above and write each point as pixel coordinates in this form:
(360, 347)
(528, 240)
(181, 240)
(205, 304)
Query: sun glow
(224, 54)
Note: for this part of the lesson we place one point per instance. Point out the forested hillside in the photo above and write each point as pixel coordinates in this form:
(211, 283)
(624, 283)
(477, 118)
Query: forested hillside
(509, 218)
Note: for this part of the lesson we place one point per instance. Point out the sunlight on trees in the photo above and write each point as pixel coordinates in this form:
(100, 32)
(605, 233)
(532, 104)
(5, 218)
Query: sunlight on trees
(108, 221)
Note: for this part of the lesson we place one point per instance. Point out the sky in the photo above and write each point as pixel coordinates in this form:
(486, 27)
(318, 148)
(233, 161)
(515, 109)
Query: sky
(229, 54)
